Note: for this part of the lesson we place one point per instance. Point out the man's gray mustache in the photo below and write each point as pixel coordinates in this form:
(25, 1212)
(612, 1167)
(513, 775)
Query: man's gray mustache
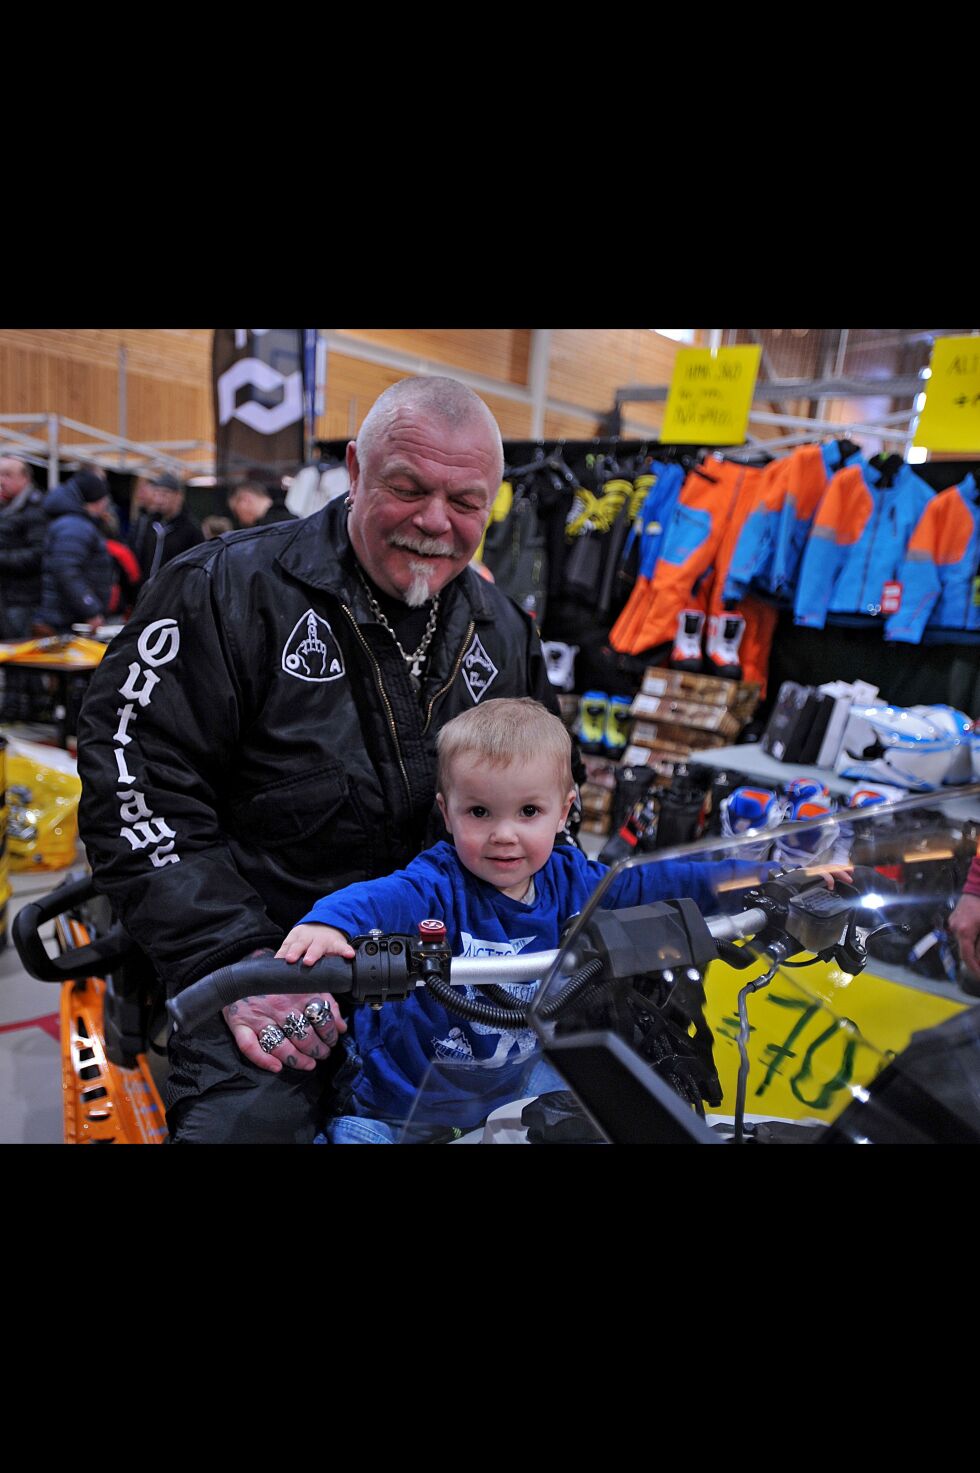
(425, 546)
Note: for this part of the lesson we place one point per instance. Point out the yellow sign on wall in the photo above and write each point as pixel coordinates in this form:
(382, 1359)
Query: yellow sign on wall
(950, 419)
(710, 396)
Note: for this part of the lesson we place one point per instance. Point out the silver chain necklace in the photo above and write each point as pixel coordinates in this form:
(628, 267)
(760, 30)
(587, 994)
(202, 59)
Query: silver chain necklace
(414, 661)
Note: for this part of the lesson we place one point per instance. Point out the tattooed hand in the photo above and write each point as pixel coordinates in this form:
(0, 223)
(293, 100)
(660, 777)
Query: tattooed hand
(250, 1015)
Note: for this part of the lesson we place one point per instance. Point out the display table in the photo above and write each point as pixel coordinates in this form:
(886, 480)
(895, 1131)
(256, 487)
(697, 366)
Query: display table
(757, 764)
(63, 658)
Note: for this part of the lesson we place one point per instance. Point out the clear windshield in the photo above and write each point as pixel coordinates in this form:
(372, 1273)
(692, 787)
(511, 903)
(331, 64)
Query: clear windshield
(792, 1025)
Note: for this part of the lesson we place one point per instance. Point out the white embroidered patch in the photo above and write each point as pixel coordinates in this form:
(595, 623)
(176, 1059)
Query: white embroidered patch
(311, 652)
(479, 671)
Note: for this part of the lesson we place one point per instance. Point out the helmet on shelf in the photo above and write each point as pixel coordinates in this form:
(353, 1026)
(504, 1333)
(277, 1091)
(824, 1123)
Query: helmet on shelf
(897, 746)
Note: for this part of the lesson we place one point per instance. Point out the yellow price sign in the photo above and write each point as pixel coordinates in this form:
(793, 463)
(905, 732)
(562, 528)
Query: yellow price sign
(950, 418)
(710, 396)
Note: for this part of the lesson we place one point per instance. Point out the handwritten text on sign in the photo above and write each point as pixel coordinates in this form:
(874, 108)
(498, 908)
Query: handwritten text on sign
(950, 418)
(710, 396)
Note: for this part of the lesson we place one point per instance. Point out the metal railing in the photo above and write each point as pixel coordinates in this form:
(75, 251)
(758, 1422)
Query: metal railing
(111, 452)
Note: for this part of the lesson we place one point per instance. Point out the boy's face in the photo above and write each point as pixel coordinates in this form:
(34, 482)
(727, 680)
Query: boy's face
(504, 819)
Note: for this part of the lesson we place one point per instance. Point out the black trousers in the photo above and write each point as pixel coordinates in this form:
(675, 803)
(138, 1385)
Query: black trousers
(215, 1096)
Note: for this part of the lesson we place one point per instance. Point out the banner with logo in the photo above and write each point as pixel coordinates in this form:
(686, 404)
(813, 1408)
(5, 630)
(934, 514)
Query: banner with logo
(259, 402)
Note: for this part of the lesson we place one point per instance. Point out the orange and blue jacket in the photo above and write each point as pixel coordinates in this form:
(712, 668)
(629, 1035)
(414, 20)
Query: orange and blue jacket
(694, 553)
(771, 545)
(940, 587)
(857, 544)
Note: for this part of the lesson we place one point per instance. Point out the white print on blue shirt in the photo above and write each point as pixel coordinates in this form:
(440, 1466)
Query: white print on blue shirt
(509, 1045)
(472, 946)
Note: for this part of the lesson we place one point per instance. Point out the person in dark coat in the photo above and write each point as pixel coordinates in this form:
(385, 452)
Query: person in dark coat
(23, 529)
(252, 506)
(163, 529)
(77, 574)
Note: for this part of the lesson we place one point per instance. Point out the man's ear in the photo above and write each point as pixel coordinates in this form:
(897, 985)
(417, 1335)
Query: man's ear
(443, 809)
(353, 469)
(569, 800)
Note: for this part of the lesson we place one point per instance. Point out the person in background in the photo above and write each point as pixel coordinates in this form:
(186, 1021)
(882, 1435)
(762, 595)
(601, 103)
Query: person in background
(77, 573)
(163, 529)
(23, 529)
(252, 506)
(964, 922)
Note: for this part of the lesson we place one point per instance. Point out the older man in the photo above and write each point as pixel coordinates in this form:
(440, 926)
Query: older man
(263, 732)
(23, 528)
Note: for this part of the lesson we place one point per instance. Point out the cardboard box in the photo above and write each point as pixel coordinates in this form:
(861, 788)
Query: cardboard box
(686, 713)
(647, 757)
(650, 733)
(705, 689)
(600, 772)
(845, 695)
(596, 801)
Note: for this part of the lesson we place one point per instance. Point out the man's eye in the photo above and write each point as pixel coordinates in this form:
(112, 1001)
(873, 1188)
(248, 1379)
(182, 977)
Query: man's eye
(468, 506)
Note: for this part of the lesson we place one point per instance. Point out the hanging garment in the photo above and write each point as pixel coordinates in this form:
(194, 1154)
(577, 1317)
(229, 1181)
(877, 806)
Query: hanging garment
(769, 550)
(811, 470)
(651, 526)
(857, 543)
(690, 572)
(760, 618)
(687, 552)
(514, 549)
(940, 589)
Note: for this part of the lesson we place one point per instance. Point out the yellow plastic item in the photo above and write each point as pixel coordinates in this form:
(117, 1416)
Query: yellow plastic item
(42, 815)
(54, 649)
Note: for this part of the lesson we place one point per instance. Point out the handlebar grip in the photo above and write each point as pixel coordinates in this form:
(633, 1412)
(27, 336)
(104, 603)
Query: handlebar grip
(94, 959)
(201, 1000)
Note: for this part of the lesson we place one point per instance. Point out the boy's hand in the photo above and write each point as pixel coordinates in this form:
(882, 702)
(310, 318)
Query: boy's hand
(311, 941)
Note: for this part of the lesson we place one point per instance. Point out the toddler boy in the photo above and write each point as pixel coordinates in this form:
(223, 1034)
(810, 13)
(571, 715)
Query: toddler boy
(501, 887)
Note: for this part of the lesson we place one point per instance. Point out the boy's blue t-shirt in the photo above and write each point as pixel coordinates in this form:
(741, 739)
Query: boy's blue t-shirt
(398, 1042)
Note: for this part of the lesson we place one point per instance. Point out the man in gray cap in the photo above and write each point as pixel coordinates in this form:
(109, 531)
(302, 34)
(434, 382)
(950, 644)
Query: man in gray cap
(163, 528)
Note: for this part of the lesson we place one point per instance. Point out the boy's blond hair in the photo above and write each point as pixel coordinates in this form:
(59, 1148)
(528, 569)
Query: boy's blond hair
(504, 731)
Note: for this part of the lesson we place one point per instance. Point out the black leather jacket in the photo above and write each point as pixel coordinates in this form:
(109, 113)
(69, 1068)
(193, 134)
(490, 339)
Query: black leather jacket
(252, 739)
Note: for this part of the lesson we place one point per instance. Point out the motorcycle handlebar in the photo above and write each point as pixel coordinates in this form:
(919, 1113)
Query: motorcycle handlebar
(92, 960)
(257, 974)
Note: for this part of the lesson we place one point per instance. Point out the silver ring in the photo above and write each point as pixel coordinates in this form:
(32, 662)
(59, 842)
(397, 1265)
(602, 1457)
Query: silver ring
(271, 1037)
(295, 1025)
(319, 1013)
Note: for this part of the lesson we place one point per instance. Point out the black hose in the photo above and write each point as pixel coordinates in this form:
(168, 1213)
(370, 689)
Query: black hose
(504, 998)
(470, 1007)
(512, 1014)
(575, 985)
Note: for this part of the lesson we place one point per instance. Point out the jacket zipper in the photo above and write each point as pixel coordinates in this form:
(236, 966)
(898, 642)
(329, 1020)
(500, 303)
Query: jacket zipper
(459, 660)
(381, 690)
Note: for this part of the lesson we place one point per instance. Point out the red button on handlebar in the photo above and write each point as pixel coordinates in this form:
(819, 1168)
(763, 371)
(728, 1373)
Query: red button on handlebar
(432, 930)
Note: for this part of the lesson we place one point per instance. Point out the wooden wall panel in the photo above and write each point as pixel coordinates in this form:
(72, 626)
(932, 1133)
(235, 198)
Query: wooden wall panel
(497, 352)
(353, 384)
(588, 365)
(569, 427)
(75, 372)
